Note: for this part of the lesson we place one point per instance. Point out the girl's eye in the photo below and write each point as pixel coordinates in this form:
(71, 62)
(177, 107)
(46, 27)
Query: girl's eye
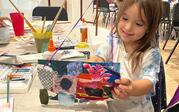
(124, 18)
(139, 24)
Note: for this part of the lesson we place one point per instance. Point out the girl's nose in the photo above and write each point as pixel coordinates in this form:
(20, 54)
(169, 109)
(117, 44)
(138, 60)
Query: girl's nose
(128, 26)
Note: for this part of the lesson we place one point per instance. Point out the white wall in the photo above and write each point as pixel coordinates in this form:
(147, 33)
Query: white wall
(74, 9)
(26, 6)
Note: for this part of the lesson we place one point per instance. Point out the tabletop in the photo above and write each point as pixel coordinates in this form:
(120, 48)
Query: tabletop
(29, 101)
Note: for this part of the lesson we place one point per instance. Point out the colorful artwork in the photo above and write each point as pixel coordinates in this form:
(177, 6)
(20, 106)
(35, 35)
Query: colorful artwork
(83, 80)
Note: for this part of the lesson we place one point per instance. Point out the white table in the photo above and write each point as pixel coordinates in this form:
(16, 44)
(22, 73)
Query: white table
(29, 101)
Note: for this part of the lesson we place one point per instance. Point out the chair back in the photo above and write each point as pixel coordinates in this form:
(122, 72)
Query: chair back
(166, 10)
(102, 4)
(175, 17)
(50, 13)
(159, 100)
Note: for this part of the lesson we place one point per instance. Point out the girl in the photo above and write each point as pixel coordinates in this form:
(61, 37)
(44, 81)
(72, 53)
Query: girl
(137, 51)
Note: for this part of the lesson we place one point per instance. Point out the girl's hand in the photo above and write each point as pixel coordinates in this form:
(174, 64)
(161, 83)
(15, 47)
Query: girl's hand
(123, 88)
(2, 23)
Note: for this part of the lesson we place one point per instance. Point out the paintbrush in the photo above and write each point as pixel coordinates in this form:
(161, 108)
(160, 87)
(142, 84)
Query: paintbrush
(43, 25)
(57, 15)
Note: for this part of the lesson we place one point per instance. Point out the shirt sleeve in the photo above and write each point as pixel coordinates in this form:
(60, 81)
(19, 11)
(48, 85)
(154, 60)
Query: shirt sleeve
(151, 66)
(104, 51)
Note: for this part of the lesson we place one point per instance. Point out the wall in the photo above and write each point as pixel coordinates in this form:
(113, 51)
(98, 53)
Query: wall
(26, 6)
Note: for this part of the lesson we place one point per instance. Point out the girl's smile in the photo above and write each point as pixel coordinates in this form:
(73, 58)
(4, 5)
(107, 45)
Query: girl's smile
(126, 34)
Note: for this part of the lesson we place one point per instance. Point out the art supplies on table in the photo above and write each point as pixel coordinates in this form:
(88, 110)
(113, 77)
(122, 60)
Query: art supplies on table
(20, 78)
(65, 55)
(10, 60)
(82, 80)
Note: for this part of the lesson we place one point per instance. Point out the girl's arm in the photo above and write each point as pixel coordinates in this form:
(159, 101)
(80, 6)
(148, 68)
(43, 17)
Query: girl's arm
(150, 67)
(2, 23)
(95, 59)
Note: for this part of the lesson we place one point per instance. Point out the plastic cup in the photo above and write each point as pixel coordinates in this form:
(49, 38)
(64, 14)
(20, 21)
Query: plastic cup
(66, 99)
(41, 45)
(37, 21)
(17, 23)
(36, 18)
(4, 35)
(42, 40)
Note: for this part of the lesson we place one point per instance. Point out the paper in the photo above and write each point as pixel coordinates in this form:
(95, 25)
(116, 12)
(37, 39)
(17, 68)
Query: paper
(31, 58)
(72, 54)
(2, 52)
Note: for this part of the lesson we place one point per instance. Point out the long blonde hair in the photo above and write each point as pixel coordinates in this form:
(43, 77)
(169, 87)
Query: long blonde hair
(153, 11)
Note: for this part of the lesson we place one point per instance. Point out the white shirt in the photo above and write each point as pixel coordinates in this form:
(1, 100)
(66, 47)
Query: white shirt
(149, 69)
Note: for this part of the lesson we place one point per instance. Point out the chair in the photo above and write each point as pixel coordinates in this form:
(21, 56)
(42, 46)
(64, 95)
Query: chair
(103, 6)
(173, 106)
(50, 13)
(94, 5)
(159, 100)
(165, 20)
(175, 27)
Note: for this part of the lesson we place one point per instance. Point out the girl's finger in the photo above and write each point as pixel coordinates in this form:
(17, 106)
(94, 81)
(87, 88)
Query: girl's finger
(123, 81)
(120, 94)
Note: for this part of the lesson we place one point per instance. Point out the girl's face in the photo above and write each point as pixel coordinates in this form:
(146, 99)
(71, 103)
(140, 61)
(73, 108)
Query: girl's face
(132, 25)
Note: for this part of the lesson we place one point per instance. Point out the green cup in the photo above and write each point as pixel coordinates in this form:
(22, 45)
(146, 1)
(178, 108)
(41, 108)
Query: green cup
(41, 45)
(42, 40)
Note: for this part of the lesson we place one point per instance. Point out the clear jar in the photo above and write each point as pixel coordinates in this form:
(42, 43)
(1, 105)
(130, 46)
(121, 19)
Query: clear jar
(4, 35)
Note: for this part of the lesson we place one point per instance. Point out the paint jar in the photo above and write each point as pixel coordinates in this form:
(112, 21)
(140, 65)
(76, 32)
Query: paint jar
(84, 31)
(4, 35)
(66, 99)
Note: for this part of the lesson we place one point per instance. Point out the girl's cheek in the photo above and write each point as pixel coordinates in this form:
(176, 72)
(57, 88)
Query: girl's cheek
(121, 24)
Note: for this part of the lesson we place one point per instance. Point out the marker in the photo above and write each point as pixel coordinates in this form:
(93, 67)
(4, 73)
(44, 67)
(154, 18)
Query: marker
(67, 47)
(18, 79)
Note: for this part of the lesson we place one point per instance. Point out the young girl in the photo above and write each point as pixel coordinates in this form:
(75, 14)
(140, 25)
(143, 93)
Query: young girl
(137, 51)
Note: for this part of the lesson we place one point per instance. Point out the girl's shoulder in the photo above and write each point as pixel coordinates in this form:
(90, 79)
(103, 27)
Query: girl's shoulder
(152, 50)
(152, 54)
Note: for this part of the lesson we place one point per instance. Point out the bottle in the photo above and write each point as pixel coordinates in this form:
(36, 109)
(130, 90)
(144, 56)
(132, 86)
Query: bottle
(51, 49)
(84, 31)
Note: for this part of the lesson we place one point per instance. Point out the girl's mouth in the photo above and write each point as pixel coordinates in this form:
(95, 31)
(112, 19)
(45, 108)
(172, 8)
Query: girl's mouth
(126, 34)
